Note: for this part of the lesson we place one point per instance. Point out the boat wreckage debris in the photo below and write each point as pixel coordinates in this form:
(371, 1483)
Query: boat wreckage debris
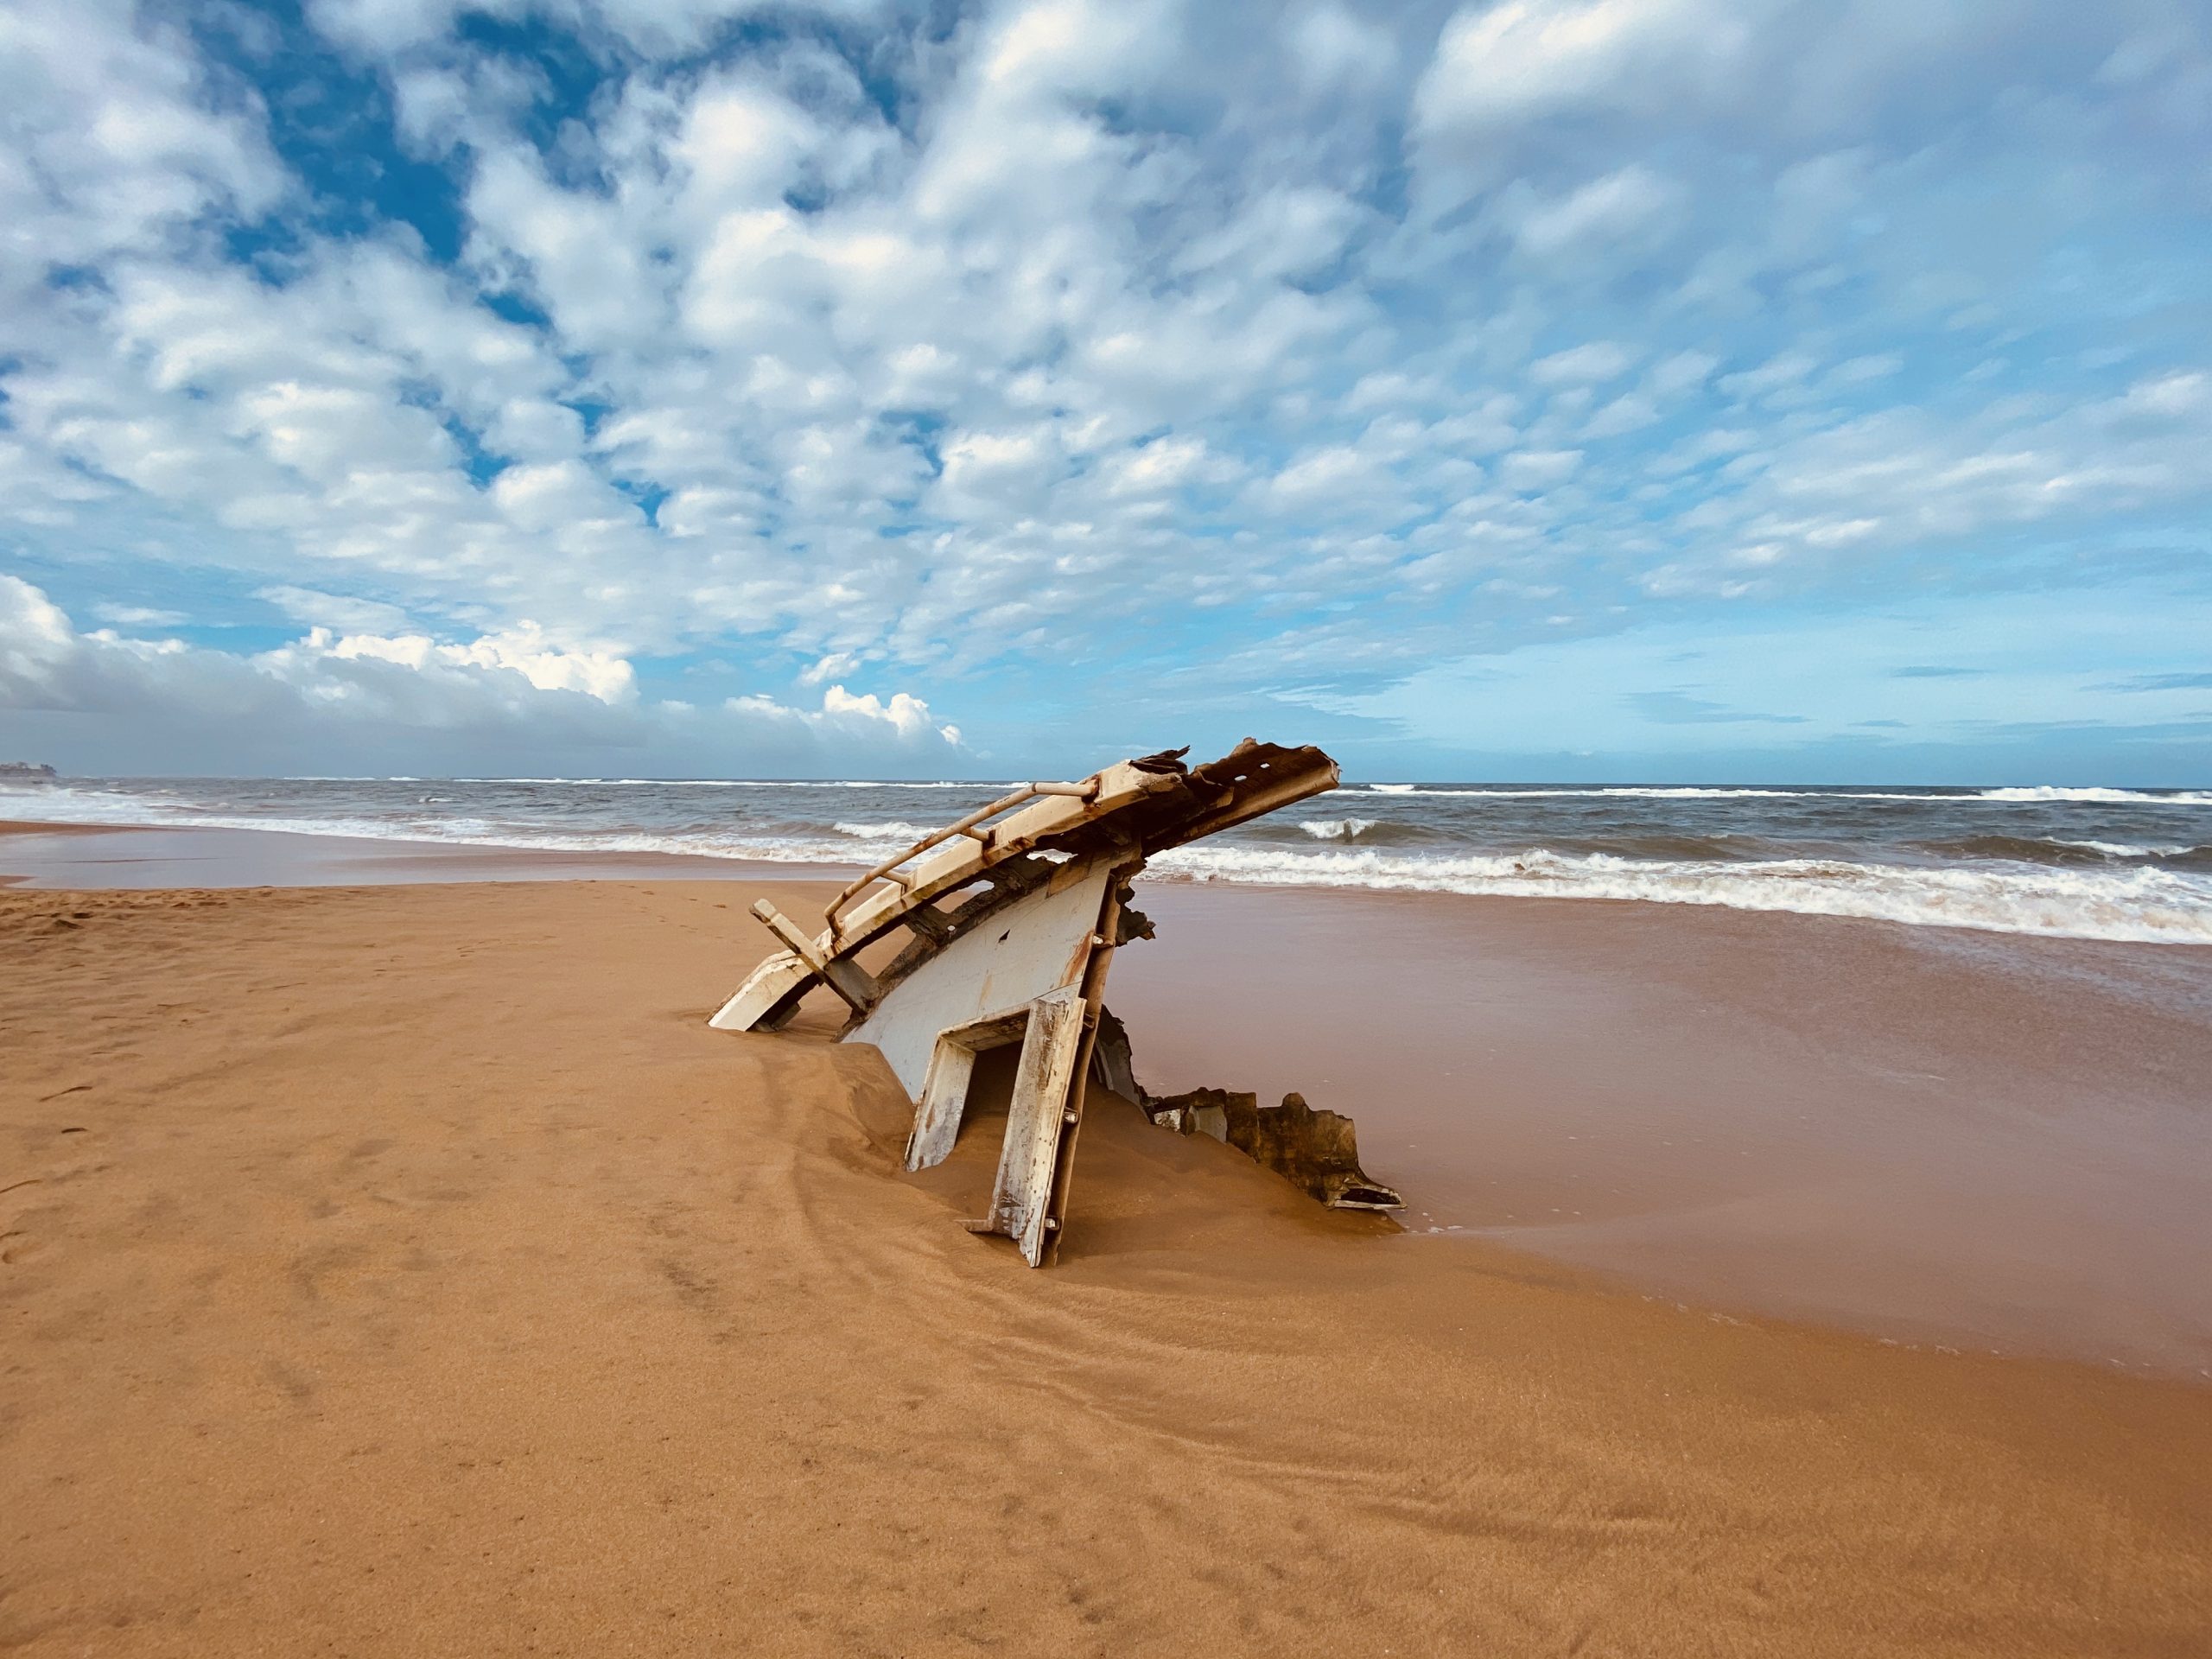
(1314, 1150)
(1042, 878)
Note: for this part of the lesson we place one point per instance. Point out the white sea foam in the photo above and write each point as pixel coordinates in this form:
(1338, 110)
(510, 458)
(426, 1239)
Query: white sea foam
(2044, 794)
(2142, 905)
(706, 783)
(2138, 903)
(1674, 793)
(1338, 829)
(896, 831)
(130, 812)
(2123, 848)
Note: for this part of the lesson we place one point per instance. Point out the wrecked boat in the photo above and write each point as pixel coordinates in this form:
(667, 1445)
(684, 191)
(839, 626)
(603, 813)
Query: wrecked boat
(1010, 917)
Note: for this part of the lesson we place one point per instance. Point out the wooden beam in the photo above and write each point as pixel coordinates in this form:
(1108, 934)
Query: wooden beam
(842, 975)
(930, 922)
(1093, 989)
(1036, 1119)
(945, 1099)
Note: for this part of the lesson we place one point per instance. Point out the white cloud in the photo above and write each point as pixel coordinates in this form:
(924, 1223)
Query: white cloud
(1078, 314)
(113, 143)
(524, 650)
(1331, 46)
(137, 616)
(340, 611)
(1539, 470)
(324, 701)
(907, 715)
(1632, 204)
(1508, 61)
(835, 664)
(1783, 372)
(1597, 360)
(1631, 412)
(1162, 467)
(653, 28)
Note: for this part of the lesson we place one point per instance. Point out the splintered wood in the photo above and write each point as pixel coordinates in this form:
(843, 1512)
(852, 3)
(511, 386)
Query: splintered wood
(1042, 881)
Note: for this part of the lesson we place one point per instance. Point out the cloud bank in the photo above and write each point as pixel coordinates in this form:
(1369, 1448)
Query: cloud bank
(1101, 374)
(324, 701)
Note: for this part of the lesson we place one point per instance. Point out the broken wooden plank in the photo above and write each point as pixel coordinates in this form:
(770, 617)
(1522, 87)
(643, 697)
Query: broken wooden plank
(1035, 944)
(1036, 1120)
(772, 988)
(848, 978)
(944, 1087)
(1041, 942)
(970, 826)
(945, 1098)
(1162, 804)
(1094, 1012)
(1315, 1150)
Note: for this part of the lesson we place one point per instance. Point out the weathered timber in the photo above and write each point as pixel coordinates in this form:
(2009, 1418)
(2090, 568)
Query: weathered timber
(1143, 806)
(1012, 916)
(1039, 1119)
(1317, 1151)
(1040, 943)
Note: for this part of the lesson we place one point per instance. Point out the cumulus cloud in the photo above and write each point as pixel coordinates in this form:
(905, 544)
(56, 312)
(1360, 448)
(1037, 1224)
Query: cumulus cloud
(328, 702)
(645, 333)
(1595, 360)
(1506, 62)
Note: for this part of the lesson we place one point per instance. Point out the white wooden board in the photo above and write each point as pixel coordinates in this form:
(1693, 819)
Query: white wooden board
(1038, 944)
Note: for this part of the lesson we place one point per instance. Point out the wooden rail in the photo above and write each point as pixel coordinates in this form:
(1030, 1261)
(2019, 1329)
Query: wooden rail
(968, 826)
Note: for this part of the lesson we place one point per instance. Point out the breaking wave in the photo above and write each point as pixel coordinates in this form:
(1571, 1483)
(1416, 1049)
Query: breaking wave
(687, 783)
(2104, 797)
(2055, 849)
(2141, 905)
(2100, 864)
(1338, 829)
(895, 830)
(2041, 793)
(1654, 793)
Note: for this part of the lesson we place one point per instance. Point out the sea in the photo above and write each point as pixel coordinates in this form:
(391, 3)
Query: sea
(2094, 863)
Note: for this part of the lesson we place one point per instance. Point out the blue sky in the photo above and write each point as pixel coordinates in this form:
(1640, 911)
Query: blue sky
(1683, 388)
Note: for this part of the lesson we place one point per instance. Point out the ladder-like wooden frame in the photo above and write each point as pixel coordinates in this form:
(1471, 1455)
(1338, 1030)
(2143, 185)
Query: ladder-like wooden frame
(1119, 816)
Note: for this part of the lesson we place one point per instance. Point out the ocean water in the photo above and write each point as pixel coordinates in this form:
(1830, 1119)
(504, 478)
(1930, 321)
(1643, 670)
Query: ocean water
(2122, 864)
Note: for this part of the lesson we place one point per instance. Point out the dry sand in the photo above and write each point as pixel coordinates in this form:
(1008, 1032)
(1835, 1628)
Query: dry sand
(409, 1270)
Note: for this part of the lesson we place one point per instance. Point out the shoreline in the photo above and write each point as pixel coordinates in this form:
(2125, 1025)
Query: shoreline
(1901, 1132)
(1922, 1135)
(220, 855)
(2115, 876)
(425, 1235)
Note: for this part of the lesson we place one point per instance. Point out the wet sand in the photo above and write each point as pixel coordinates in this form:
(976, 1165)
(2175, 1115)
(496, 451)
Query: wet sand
(410, 1270)
(1935, 1135)
(41, 854)
(1931, 1136)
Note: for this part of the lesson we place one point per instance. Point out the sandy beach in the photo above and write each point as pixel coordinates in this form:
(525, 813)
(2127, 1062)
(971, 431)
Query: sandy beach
(1485, 726)
(409, 1269)
(1930, 1134)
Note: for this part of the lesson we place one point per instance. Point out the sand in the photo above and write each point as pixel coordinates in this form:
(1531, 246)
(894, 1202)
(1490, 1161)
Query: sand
(1935, 1135)
(40, 853)
(1932, 1134)
(409, 1270)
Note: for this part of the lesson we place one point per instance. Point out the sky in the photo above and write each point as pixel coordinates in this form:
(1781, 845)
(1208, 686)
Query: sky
(1630, 390)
